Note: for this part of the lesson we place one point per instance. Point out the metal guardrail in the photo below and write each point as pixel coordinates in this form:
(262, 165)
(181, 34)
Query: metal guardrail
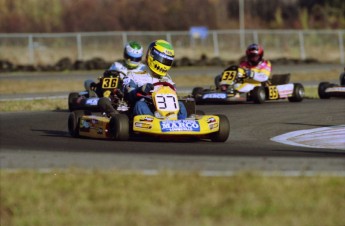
(48, 48)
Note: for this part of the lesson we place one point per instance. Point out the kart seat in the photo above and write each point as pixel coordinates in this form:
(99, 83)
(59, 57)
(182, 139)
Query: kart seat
(280, 79)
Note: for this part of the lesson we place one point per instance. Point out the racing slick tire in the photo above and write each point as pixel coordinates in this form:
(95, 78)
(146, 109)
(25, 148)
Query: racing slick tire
(73, 122)
(342, 79)
(322, 88)
(224, 130)
(258, 95)
(71, 101)
(297, 93)
(119, 127)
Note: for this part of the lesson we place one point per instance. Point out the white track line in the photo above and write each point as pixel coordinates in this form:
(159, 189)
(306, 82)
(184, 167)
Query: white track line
(324, 137)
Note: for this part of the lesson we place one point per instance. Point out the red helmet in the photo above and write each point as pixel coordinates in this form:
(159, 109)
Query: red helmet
(254, 54)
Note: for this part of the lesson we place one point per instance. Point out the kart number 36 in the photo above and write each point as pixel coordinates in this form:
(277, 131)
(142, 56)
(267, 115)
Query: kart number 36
(109, 83)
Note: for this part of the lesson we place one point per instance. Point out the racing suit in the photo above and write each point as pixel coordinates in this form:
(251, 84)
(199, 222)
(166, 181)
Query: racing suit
(256, 74)
(95, 90)
(121, 66)
(135, 82)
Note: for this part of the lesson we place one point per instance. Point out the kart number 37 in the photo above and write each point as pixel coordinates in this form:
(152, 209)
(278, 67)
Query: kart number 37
(166, 102)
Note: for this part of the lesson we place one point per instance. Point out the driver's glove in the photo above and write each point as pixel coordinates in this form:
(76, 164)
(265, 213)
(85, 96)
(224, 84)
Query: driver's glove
(249, 73)
(145, 89)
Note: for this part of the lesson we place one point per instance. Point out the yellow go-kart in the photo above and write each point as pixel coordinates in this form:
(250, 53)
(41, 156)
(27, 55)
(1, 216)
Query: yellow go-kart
(164, 123)
(234, 88)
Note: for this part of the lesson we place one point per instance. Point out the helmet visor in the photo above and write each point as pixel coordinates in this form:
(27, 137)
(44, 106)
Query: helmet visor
(131, 58)
(162, 58)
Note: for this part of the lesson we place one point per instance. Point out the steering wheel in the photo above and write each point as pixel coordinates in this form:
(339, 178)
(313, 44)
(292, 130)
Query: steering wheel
(107, 73)
(165, 84)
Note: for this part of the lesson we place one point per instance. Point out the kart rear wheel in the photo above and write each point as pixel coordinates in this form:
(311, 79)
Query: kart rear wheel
(73, 122)
(342, 79)
(71, 101)
(321, 90)
(297, 93)
(224, 130)
(258, 95)
(119, 127)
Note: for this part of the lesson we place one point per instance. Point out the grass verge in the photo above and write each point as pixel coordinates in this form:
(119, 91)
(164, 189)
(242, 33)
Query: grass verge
(74, 197)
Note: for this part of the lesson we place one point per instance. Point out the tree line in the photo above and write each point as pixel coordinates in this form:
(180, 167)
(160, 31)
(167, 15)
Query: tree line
(32, 16)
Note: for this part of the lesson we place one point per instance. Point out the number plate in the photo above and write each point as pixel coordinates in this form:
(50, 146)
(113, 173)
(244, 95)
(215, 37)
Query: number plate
(110, 83)
(166, 102)
(229, 76)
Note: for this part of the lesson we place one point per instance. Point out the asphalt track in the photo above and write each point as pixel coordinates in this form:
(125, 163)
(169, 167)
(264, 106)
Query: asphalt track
(40, 140)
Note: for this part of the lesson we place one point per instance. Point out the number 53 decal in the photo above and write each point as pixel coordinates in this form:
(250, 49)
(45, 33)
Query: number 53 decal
(273, 92)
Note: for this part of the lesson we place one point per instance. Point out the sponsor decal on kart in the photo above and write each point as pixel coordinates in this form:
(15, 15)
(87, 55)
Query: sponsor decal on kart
(285, 90)
(214, 96)
(147, 119)
(213, 125)
(92, 101)
(211, 120)
(100, 131)
(143, 125)
(335, 89)
(85, 124)
(180, 125)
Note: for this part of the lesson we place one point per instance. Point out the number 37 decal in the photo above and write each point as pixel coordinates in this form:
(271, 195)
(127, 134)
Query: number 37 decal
(167, 102)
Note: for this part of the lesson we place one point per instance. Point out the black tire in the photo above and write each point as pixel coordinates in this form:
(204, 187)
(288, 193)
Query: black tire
(298, 93)
(119, 127)
(258, 95)
(224, 130)
(73, 122)
(321, 90)
(342, 79)
(197, 91)
(71, 101)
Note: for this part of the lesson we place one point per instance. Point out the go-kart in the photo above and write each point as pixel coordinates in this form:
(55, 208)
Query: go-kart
(233, 88)
(164, 123)
(327, 90)
(109, 85)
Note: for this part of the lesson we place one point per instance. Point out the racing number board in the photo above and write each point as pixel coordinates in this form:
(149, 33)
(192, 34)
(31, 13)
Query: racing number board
(110, 83)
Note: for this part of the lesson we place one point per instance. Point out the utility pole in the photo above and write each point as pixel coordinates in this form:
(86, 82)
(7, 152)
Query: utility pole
(242, 26)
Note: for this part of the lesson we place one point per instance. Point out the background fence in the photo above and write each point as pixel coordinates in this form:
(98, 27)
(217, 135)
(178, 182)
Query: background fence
(48, 48)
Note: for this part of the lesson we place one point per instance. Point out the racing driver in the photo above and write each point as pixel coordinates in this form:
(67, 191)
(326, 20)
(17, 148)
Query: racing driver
(257, 68)
(132, 56)
(159, 59)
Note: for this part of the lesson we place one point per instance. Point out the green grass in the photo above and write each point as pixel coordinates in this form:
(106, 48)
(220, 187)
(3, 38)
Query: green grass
(75, 197)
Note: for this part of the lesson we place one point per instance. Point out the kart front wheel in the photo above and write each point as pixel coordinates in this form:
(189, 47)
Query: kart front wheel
(224, 130)
(297, 93)
(258, 94)
(73, 122)
(72, 100)
(119, 127)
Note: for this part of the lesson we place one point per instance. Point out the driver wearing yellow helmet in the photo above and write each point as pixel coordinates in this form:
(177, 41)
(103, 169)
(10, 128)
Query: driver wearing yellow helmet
(159, 59)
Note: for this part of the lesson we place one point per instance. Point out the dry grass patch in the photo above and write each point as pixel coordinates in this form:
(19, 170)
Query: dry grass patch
(76, 197)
